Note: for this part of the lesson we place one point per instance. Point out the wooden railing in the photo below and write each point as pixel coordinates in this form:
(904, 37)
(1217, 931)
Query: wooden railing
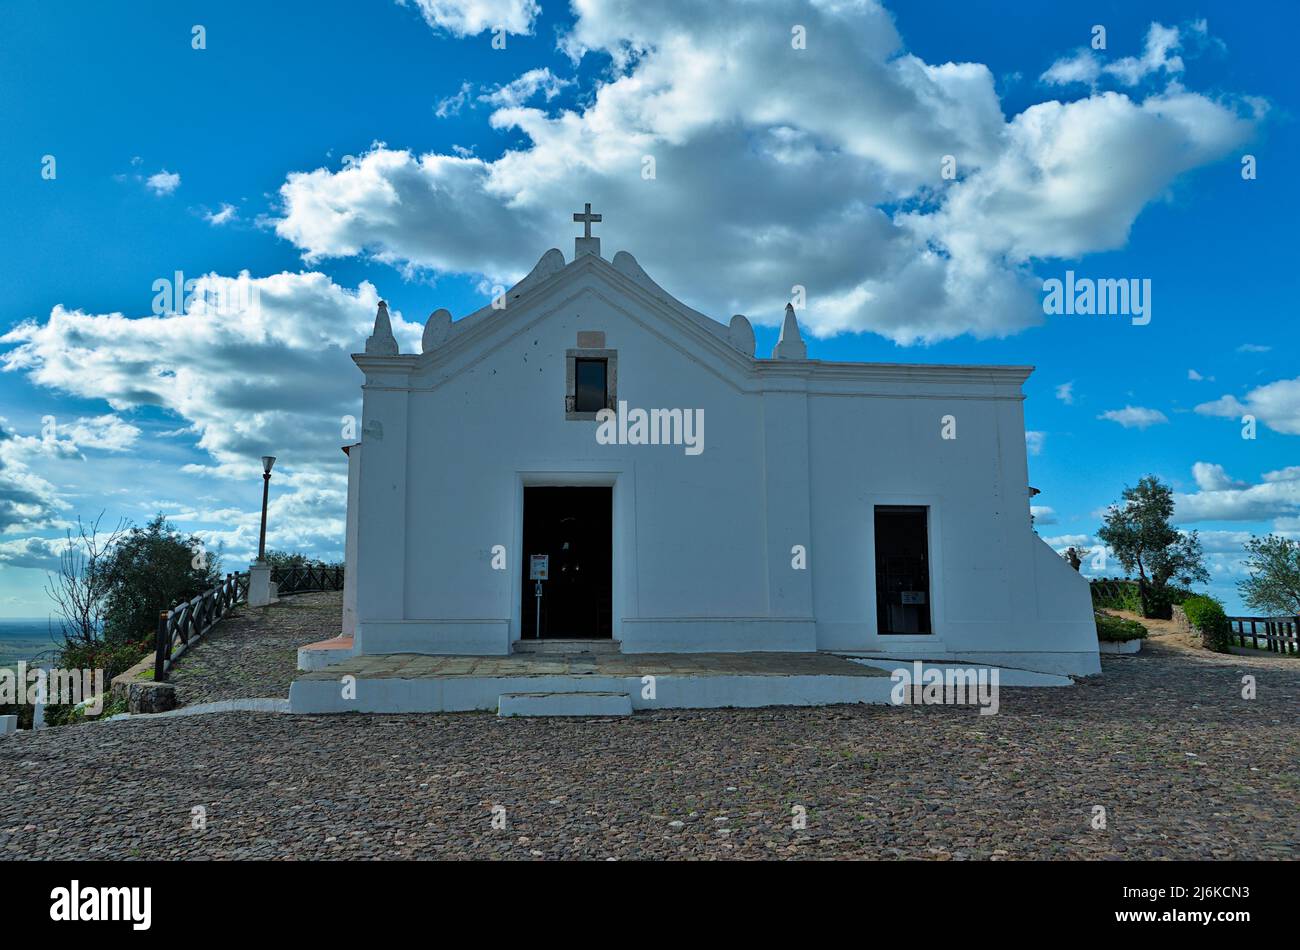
(1109, 592)
(299, 580)
(1278, 634)
(186, 623)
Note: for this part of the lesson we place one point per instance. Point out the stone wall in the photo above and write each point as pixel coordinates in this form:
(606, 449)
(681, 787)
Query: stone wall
(140, 694)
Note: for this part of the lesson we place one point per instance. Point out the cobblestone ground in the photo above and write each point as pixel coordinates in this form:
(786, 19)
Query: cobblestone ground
(1183, 765)
(254, 653)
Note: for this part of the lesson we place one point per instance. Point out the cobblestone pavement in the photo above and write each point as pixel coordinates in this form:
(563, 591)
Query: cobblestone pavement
(1183, 765)
(254, 652)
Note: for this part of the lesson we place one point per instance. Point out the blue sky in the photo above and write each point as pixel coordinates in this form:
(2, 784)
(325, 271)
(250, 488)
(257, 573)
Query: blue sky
(343, 152)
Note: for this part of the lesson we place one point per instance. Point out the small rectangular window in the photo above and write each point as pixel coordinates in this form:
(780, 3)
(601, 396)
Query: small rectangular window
(590, 392)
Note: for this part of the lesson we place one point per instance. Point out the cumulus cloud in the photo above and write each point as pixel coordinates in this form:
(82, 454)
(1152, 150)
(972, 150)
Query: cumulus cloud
(1034, 441)
(1135, 417)
(1277, 405)
(1065, 393)
(1276, 496)
(269, 373)
(846, 145)
(40, 553)
(163, 182)
(470, 17)
(1210, 476)
(27, 500)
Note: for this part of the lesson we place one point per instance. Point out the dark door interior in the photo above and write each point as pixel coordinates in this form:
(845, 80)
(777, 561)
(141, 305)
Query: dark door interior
(574, 527)
(902, 569)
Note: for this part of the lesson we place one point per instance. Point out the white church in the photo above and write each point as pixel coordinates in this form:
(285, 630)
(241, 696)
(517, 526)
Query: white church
(588, 463)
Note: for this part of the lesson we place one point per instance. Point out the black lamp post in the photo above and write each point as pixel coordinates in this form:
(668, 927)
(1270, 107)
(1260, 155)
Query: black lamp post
(267, 462)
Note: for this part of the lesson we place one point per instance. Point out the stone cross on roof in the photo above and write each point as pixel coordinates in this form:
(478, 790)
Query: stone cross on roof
(586, 244)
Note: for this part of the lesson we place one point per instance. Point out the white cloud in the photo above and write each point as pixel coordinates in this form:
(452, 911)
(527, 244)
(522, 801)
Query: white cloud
(1065, 393)
(1135, 417)
(1211, 476)
(1253, 348)
(269, 376)
(1222, 499)
(40, 553)
(471, 17)
(1081, 67)
(163, 182)
(1159, 55)
(451, 105)
(835, 135)
(1034, 441)
(1194, 376)
(1043, 514)
(224, 215)
(518, 91)
(1277, 405)
(27, 500)
(1063, 541)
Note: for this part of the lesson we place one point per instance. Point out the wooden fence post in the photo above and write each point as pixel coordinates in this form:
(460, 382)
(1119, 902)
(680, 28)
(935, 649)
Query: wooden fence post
(160, 649)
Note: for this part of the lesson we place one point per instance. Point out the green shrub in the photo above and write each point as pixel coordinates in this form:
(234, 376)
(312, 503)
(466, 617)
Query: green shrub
(1117, 629)
(1206, 615)
(113, 658)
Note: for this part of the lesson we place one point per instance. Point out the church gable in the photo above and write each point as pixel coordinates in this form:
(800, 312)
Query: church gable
(552, 285)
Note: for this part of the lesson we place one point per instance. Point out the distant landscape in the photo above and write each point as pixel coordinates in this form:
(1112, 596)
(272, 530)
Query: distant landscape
(25, 638)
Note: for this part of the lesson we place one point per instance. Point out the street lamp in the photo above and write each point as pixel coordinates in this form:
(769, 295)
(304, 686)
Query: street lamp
(267, 462)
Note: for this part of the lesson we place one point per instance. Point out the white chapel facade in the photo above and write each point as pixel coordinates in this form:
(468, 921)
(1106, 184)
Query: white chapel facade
(681, 494)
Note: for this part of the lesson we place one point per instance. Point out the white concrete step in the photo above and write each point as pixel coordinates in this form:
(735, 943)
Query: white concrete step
(567, 646)
(565, 704)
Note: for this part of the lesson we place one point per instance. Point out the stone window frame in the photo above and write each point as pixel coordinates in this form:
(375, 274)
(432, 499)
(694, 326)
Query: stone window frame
(570, 380)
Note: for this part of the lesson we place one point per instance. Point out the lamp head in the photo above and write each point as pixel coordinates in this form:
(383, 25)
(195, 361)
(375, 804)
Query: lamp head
(267, 462)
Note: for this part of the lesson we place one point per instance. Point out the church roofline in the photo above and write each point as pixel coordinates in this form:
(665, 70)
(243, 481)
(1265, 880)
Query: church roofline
(552, 270)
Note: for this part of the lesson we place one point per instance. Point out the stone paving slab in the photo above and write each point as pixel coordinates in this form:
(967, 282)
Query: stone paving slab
(412, 665)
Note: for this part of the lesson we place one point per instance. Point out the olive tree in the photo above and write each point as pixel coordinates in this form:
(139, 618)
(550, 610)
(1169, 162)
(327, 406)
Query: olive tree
(1139, 531)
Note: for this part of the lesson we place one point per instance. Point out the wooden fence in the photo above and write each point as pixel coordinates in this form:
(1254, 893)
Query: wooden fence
(1278, 634)
(185, 623)
(298, 580)
(1110, 592)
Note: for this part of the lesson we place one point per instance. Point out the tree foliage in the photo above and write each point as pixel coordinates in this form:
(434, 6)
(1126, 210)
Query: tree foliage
(1274, 583)
(1139, 532)
(150, 570)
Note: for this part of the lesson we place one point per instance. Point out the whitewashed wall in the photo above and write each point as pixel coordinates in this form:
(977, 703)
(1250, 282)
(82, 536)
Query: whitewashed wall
(702, 544)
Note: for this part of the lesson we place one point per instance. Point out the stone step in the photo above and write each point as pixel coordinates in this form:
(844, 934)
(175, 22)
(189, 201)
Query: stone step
(567, 647)
(565, 704)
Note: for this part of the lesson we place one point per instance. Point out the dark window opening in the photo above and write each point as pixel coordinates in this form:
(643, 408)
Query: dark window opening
(902, 569)
(589, 385)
